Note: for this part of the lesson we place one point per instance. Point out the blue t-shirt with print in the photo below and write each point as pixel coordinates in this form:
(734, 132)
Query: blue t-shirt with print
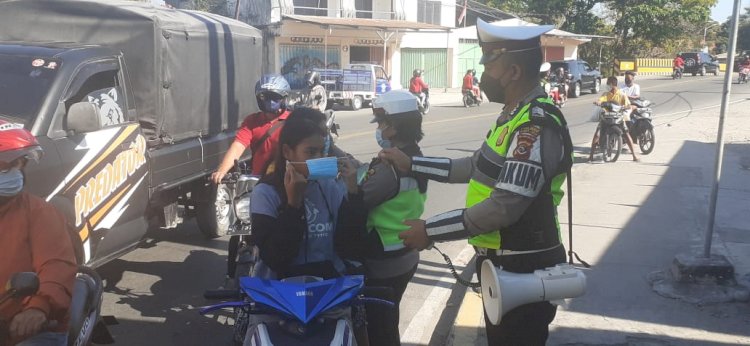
(322, 201)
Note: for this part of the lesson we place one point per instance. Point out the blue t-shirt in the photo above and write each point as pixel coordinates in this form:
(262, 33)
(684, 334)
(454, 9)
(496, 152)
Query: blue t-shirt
(322, 201)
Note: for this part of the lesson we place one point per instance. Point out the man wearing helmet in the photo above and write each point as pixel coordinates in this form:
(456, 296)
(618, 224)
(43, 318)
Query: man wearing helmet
(468, 84)
(33, 238)
(417, 86)
(261, 132)
(515, 178)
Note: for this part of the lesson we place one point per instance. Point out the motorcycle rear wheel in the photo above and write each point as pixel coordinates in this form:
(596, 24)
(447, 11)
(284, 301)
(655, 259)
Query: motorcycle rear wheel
(611, 144)
(647, 141)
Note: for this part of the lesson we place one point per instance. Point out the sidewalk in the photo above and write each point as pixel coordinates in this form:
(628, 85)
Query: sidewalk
(631, 219)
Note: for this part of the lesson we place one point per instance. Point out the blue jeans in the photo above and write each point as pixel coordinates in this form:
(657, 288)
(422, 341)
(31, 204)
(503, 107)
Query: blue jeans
(46, 339)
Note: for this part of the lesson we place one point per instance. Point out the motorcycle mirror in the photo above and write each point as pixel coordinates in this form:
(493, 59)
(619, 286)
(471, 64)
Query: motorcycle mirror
(23, 284)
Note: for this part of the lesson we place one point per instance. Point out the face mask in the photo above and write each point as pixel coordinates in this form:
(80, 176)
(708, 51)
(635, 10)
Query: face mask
(382, 142)
(628, 82)
(493, 88)
(323, 168)
(272, 106)
(11, 182)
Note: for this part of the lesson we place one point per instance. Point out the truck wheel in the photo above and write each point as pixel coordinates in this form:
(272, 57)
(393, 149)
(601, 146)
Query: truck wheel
(597, 86)
(357, 103)
(213, 210)
(576, 92)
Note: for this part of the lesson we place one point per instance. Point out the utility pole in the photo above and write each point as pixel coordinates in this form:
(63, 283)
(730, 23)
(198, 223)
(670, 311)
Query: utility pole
(237, 10)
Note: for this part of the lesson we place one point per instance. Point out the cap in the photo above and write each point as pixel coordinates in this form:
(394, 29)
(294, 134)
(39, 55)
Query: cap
(545, 67)
(393, 103)
(499, 39)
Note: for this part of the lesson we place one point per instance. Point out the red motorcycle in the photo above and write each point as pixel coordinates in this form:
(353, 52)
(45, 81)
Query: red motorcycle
(744, 72)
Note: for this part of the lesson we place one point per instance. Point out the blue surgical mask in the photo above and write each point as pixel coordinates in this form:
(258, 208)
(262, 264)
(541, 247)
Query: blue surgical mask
(382, 142)
(11, 182)
(272, 106)
(323, 168)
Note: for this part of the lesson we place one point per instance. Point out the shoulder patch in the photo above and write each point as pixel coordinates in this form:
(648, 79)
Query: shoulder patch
(525, 139)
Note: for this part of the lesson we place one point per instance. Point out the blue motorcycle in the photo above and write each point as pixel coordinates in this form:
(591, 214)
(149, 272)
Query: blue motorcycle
(302, 310)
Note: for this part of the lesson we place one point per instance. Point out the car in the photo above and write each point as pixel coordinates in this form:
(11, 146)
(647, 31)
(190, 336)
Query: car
(581, 76)
(700, 63)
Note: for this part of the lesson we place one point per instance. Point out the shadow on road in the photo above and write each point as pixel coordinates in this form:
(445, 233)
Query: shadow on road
(169, 306)
(670, 220)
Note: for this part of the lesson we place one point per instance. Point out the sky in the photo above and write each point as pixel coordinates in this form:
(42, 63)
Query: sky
(723, 10)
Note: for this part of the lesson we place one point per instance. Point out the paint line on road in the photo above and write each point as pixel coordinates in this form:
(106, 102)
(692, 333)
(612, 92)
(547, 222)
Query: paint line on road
(428, 315)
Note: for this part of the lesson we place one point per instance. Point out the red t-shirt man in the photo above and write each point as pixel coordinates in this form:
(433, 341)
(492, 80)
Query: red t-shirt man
(468, 84)
(417, 85)
(678, 62)
(253, 129)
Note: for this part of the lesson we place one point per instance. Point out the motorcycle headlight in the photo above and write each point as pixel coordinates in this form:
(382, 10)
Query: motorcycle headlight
(242, 208)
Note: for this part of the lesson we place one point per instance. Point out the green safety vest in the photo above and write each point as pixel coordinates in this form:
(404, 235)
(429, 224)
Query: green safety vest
(388, 217)
(538, 228)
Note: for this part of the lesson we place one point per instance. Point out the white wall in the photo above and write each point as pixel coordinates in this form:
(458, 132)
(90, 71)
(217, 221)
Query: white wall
(381, 8)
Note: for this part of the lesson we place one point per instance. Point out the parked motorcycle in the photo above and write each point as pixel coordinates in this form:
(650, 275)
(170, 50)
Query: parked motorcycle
(470, 99)
(676, 73)
(640, 128)
(85, 305)
(743, 73)
(423, 103)
(611, 130)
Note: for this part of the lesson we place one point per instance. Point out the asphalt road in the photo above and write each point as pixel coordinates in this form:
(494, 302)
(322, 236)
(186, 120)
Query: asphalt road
(155, 290)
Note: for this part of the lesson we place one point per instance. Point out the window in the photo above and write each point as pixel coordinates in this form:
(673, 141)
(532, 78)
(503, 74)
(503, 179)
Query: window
(428, 11)
(364, 8)
(311, 7)
(103, 90)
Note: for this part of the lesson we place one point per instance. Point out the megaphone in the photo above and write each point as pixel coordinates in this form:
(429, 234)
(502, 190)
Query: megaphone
(503, 291)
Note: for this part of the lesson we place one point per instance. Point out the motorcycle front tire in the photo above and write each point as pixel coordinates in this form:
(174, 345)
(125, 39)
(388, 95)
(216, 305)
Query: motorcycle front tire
(611, 144)
(647, 141)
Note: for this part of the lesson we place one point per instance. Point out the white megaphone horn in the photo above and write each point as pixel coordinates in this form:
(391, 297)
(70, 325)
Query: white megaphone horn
(503, 291)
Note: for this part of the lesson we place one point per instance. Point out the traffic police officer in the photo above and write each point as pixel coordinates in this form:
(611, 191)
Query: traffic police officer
(515, 178)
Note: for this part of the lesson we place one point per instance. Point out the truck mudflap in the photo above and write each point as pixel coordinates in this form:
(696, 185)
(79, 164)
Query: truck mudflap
(107, 187)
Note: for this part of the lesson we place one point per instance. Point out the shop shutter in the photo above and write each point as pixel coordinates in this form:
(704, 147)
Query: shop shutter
(433, 61)
(296, 60)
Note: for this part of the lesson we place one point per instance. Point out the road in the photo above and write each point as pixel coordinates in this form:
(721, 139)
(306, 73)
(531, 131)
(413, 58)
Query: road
(154, 291)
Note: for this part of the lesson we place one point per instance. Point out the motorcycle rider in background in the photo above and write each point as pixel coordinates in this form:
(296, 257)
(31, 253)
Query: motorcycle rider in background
(417, 86)
(614, 95)
(561, 80)
(33, 238)
(469, 84)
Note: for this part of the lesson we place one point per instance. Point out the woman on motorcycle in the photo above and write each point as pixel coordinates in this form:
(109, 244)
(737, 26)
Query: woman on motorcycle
(305, 220)
(614, 95)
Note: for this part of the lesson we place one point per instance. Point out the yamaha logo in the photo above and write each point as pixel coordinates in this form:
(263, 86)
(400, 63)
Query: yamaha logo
(304, 294)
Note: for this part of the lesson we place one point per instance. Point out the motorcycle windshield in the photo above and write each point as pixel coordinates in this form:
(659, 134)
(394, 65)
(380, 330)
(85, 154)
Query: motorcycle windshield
(303, 301)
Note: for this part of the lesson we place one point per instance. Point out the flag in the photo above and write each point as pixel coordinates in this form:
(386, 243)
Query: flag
(462, 16)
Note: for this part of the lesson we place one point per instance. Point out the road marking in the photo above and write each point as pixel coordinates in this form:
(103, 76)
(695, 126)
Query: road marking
(428, 315)
(469, 319)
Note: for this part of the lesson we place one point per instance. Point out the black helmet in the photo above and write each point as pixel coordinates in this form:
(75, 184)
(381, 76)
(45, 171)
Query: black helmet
(473, 72)
(272, 87)
(417, 72)
(312, 78)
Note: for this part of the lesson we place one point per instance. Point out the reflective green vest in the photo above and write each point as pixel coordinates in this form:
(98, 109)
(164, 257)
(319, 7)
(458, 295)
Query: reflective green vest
(388, 217)
(542, 214)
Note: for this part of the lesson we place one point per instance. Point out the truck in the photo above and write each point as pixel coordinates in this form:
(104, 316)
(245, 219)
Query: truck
(356, 86)
(133, 105)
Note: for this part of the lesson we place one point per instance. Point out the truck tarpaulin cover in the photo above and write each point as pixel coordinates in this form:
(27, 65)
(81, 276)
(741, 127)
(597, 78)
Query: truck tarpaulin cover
(191, 73)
